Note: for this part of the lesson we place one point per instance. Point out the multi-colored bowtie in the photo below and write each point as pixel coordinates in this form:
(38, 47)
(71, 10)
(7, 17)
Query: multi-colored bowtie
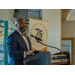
(24, 34)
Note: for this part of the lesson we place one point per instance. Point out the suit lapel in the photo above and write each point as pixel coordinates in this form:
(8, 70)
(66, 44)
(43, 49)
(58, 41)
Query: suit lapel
(22, 40)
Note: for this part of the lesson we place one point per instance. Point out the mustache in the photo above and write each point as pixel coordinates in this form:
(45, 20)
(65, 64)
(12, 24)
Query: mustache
(20, 29)
(23, 26)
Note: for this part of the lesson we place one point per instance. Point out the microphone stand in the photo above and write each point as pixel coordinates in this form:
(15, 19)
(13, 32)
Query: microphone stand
(50, 46)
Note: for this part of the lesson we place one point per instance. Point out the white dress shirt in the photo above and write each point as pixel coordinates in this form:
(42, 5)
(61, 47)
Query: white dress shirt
(26, 41)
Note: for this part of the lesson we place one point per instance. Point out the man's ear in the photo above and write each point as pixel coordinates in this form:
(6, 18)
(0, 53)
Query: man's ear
(16, 25)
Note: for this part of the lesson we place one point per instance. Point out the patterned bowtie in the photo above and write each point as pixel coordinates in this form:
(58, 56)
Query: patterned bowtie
(24, 34)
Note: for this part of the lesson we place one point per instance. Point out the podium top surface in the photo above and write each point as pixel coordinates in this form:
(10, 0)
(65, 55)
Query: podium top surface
(43, 58)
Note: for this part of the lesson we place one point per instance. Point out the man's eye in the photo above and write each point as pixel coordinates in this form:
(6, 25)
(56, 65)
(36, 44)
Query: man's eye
(21, 25)
(25, 26)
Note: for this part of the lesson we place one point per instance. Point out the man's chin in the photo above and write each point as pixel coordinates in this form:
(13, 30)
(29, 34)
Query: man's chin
(23, 31)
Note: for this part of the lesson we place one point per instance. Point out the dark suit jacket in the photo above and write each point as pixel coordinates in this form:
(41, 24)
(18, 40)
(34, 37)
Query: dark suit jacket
(16, 47)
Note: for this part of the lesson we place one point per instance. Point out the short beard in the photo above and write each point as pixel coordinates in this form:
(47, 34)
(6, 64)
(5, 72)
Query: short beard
(22, 31)
(19, 29)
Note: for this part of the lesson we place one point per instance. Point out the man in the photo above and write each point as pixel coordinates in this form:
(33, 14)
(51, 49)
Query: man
(18, 43)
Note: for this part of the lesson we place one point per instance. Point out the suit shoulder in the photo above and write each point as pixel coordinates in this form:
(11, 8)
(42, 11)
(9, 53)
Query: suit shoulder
(12, 34)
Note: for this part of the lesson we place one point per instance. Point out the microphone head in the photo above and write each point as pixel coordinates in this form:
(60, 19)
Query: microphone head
(37, 38)
(31, 35)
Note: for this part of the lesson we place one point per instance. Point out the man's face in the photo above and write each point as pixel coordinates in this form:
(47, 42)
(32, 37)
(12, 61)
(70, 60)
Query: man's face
(21, 26)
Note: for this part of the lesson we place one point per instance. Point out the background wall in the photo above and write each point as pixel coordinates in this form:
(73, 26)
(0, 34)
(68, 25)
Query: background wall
(54, 33)
(7, 14)
(68, 30)
(10, 16)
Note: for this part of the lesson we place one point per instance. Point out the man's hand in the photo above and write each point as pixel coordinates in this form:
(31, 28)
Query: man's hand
(30, 52)
(45, 51)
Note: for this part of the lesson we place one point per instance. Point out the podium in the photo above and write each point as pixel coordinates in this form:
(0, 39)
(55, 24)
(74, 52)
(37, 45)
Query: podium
(43, 58)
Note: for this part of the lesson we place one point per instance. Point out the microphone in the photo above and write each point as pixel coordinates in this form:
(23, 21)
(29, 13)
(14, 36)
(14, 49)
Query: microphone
(38, 39)
(50, 46)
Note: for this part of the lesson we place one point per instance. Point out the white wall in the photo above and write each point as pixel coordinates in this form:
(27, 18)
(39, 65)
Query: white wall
(54, 33)
(3, 14)
(10, 16)
(7, 14)
(68, 29)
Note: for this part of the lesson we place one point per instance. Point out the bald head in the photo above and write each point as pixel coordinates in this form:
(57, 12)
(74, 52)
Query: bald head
(21, 25)
(19, 20)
